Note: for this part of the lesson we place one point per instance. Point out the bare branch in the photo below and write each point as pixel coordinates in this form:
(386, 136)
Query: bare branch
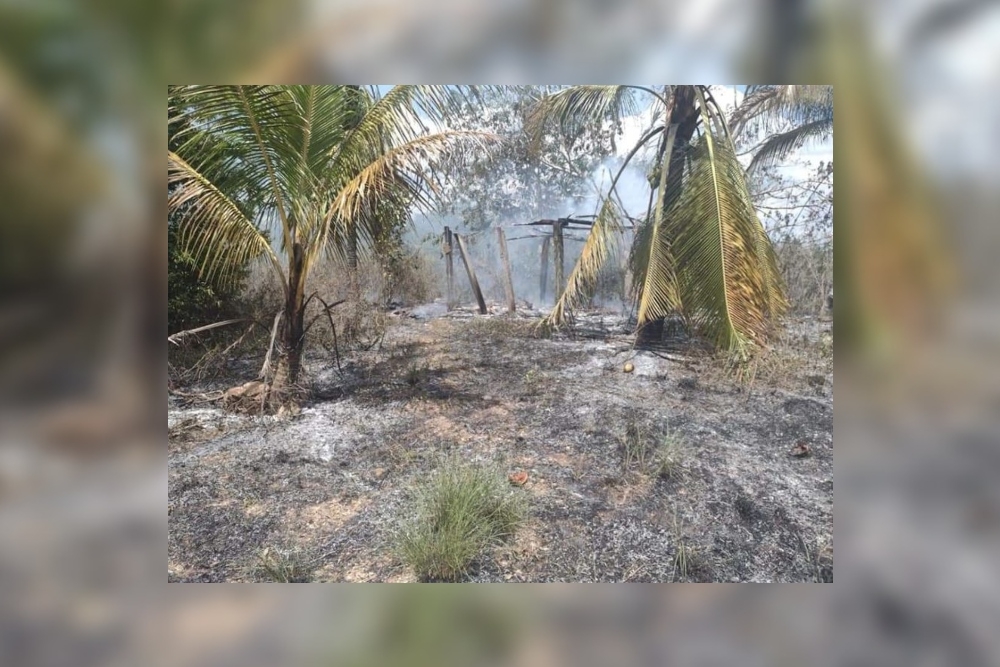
(180, 334)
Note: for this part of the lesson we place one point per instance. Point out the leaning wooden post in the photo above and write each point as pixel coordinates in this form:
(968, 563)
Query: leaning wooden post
(557, 241)
(544, 273)
(508, 280)
(449, 267)
(472, 274)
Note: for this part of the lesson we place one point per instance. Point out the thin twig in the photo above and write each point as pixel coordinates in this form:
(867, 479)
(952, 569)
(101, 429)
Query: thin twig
(326, 309)
(333, 328)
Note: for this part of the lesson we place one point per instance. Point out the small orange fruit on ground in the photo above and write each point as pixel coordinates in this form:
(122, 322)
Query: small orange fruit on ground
(629, 367)
(518, 478)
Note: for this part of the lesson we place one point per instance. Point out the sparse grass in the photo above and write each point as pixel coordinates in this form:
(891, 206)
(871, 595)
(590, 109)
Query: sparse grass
(401, 455)
(283, 566)
(460, 512)
(682, 557)
(689, 564)
(641, 450)
(826, 345)
(534, 380)
(780, 366)
(669, 455)
(637, 447)
(502, 326)
(820, 558)
(415, 374)
(786, 363)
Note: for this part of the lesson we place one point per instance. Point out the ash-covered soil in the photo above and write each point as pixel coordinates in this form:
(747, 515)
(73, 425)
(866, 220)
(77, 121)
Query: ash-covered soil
(332, 484)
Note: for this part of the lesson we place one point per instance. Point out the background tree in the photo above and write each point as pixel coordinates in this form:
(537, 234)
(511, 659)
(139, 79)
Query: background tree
(311, 164)
(528, 176)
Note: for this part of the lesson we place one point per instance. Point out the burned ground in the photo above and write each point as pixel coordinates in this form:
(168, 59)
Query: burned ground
(333, 483)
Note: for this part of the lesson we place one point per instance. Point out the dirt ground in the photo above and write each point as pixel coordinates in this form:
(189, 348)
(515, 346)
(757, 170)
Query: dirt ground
(332, 484)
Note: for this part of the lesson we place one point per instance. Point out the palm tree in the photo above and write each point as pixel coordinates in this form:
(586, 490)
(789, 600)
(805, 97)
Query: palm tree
(313, 167)
(788, 116)
(700, 251)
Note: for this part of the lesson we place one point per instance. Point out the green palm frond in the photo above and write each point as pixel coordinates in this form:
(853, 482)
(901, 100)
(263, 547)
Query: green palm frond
(659, 292)
(774, 284)
(246, 126)
(214, 228)
(322, 121)
(404, 113)
(717, 238)
(602, 242)
(402, 172)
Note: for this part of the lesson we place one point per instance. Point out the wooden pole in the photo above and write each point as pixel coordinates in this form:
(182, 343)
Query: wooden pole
(557, 241)
(472, 274)
(544, 272)
(449, 267)
(508, 280)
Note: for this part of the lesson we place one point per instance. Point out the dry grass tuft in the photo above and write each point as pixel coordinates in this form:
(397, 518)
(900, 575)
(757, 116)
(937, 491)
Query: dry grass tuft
(643, 451)
(282, 566)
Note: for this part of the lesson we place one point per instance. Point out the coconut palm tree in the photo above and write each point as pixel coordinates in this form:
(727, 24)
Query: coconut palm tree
(312, 167)
(788, 116)
(700, 251)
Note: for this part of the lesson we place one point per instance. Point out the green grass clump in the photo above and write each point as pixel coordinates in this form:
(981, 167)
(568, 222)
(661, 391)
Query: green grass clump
(460, 512)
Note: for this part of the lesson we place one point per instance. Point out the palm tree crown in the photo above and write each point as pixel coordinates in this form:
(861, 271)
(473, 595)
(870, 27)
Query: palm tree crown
(316, 167)
(701, 250)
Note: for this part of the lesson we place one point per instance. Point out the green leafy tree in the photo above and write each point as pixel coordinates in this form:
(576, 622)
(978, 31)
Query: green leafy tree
(313, 165)
(190, 299)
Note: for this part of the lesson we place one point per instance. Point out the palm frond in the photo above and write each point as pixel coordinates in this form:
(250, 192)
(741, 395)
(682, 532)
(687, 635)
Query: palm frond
(577, 105)
(659, 293)
(403, 114)
(717, 237)
(774, 283)
(602, 242)
(402, 171)
(638, 254)
(246, 126)
(322, 120)
(767, 107)
(777, 147)
(214, 228)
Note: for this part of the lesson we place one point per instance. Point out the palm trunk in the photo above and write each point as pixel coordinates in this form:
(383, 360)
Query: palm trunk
(292, 340)
(685, 115)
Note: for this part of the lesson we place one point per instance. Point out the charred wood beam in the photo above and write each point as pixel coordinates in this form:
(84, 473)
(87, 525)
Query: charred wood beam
(472, 274)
